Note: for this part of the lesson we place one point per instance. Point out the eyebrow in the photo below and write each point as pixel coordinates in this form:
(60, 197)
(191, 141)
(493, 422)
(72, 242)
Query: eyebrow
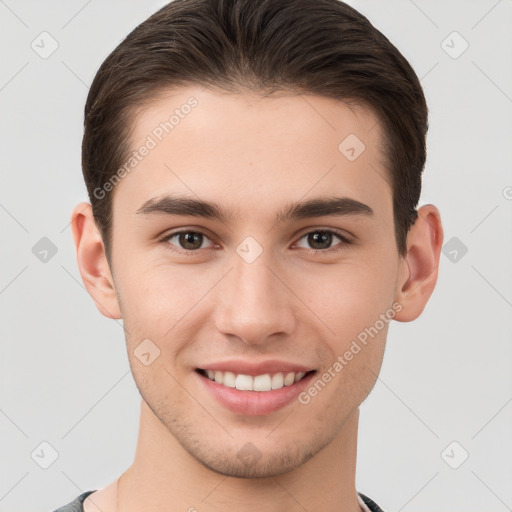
(319, 207)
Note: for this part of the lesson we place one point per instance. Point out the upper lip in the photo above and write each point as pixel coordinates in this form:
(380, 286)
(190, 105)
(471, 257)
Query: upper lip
(256, 368)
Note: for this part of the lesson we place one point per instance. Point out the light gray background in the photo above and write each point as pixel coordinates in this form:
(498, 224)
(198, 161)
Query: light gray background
(446, 377)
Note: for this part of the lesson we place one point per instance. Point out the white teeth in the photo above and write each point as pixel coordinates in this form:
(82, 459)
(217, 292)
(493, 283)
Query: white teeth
(262, 383)
(277, 381)
(289, 379)
(299, 376)
(243, 382)
(228, 379)
(265, 382)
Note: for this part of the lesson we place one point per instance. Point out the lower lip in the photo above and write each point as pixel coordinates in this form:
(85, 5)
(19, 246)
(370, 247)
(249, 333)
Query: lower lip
(255, 403)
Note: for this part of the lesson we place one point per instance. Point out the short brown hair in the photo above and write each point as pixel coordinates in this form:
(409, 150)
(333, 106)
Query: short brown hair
(322, 47)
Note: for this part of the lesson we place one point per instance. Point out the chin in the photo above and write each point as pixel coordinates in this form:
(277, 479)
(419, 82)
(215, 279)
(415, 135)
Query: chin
(240, 466)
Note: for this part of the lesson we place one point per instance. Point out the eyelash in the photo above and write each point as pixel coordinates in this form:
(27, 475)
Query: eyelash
(344, 239)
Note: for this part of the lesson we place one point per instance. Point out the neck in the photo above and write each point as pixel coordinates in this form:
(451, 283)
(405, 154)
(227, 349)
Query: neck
(164, 476)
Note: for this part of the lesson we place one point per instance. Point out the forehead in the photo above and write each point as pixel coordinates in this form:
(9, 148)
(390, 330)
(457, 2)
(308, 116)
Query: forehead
(247, 150)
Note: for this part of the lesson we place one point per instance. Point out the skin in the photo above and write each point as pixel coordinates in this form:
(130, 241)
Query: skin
(252, 156)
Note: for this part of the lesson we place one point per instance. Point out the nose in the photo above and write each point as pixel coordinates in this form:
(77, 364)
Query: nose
(254, 302)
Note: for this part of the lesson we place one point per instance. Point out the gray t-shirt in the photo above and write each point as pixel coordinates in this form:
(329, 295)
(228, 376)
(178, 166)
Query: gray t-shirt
(76, 505)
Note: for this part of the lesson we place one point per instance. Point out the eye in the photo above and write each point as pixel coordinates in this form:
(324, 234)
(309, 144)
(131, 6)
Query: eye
(322, 239)
(188, 241)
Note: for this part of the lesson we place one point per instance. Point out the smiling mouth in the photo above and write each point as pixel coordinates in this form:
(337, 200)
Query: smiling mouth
(263, 382)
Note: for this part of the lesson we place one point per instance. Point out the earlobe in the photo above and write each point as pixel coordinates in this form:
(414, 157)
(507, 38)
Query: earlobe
(92, 261)
(419, 267)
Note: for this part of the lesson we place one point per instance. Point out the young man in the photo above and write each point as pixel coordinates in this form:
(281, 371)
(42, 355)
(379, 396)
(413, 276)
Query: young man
(254, 170)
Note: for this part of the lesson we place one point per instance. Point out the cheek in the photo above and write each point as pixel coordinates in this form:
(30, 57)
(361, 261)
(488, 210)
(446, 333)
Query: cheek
(348, 297)
(157, 298)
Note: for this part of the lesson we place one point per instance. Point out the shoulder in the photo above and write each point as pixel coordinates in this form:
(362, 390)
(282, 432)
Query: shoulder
(76, 505)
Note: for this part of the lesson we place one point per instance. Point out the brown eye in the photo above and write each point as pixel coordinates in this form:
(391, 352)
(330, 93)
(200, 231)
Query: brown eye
(322, 240)
(190, 240)
(186, 241)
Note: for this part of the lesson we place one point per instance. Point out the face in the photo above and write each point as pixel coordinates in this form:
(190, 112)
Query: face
(286, 257)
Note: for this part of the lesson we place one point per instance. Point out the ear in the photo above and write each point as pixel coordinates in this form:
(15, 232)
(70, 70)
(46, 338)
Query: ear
(418, 272)
(92, 261)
